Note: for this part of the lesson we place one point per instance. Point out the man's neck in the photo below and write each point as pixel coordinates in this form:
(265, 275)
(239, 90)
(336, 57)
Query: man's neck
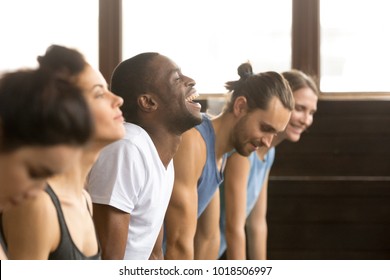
(166, 144)
(222, 128)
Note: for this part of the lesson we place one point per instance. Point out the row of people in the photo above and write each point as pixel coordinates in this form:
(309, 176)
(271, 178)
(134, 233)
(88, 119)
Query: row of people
(154, 179)
(44, 124)
(243, 194)
(57, 223)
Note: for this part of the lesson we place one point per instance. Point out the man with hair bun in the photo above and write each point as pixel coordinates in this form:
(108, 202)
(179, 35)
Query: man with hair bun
(260, 107)
(243, 193)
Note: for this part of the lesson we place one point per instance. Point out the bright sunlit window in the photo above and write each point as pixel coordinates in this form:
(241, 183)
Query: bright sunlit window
(355, 46)
(210, 39)
(28, 27)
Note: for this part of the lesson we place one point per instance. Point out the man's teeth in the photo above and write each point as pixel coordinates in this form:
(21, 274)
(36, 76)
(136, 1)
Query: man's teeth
(192, 97)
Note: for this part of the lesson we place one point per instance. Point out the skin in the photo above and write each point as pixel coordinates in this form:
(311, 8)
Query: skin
(165, 114)
(236, 172)
(32, 229)
(243, 130)
(2, 254)
(104, 106)
(24, 171)
(236, 180)
(302, 116)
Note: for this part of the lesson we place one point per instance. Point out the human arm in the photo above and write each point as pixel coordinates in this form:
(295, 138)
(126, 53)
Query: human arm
(112, 226)
(2, 254)
(235, 184)
(257, 229)
(113, 183)
(207, 236)
(157, 252)
(31, 229)
(181, 215)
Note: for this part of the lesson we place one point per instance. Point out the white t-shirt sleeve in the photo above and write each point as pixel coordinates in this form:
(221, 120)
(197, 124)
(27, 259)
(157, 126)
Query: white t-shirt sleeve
(117, 176)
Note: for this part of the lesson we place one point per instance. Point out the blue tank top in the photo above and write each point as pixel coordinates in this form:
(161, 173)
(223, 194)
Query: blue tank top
(257, 172)
(211, 177)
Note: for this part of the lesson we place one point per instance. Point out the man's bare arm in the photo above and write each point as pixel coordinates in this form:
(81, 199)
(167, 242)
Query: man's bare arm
(181, 216)
(112, 226)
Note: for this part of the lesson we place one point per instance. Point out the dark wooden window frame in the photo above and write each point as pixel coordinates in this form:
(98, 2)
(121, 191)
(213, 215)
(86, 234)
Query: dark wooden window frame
(110, 36)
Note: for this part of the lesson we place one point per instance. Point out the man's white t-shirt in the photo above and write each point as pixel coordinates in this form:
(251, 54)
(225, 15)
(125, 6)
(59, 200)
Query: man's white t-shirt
(130, 176)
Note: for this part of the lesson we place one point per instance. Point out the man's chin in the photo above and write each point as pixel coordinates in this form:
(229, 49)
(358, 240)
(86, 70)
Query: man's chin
(244, 153)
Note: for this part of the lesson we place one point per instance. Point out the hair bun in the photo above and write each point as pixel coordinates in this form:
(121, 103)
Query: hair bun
(245, 70)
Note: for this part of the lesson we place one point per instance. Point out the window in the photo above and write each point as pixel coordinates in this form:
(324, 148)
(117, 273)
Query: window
(28, 27)
(210, 39)
(355, 50)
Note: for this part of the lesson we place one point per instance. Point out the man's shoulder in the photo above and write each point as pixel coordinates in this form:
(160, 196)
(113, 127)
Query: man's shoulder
(131, 143)
(193, 146)
(133, 130)
(136, 135)
(192, 135)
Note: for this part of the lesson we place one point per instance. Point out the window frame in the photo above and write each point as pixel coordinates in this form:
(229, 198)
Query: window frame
(305, 40)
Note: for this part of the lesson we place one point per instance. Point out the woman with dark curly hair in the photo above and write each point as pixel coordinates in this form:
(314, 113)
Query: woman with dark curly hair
(58, 223)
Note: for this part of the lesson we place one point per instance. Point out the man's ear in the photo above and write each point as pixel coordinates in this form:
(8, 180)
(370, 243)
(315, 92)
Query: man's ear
(147, 103)
(240, 106)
